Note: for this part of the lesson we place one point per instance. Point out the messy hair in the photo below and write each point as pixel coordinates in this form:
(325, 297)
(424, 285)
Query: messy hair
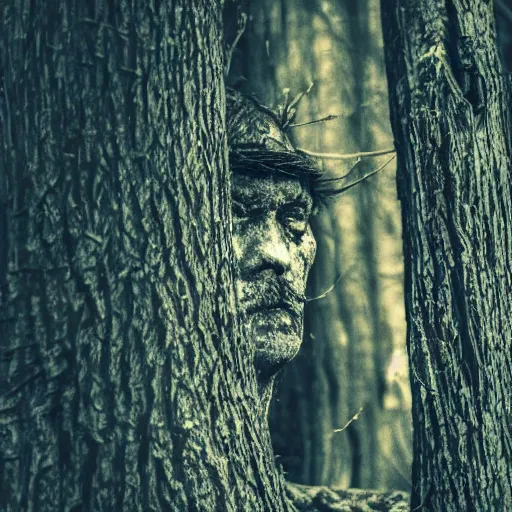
(258, 143)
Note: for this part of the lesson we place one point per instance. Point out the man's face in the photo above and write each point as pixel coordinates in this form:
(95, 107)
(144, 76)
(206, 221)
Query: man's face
(274, 250)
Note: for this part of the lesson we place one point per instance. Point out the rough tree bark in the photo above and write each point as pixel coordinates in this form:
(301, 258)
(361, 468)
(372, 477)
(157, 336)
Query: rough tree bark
(124, 381)
(450, 115)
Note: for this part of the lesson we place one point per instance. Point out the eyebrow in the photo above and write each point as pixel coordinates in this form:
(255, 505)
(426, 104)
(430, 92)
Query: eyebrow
(251, 201)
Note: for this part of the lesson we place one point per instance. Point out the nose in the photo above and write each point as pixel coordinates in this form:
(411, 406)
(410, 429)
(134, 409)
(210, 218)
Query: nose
(269, 250)
(275, 253)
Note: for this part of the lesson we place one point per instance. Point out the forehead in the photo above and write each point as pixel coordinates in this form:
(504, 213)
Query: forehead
(269, 190)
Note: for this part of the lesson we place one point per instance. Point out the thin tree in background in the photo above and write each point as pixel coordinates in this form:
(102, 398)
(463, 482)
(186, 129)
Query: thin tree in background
(504, 28)
(125, 383)
(451, 119)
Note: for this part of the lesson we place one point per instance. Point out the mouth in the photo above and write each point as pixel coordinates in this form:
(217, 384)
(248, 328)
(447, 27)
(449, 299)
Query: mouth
(272, 307)
(273, 318)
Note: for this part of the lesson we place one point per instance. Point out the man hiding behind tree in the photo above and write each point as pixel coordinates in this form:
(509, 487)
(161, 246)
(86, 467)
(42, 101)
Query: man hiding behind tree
(275, 189)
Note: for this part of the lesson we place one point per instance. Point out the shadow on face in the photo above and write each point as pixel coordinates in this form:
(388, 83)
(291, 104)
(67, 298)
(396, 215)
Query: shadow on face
(274, 251)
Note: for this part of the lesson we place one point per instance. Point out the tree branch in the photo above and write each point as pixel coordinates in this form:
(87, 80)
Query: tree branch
(231, 48)
(364, 177)
(347, 156)
(321, 120)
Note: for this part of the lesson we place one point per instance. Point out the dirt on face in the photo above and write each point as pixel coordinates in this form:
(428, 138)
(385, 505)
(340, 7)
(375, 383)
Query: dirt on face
(273, 242)
(274, 248)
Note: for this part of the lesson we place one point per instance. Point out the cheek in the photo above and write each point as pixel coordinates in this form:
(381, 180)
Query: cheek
(304, 256)
(308, 250)
(242, 238)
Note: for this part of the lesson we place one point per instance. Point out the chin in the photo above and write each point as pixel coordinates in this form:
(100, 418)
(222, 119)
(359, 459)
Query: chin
(273, 351)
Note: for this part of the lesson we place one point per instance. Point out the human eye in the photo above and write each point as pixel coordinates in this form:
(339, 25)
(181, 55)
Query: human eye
(295, 219)
(246, 210)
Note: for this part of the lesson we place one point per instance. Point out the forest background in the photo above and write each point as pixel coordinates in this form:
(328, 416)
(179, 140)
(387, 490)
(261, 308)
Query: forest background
(341, 414)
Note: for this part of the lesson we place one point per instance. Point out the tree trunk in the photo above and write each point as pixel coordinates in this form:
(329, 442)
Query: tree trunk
(449, 103)
(125, 383)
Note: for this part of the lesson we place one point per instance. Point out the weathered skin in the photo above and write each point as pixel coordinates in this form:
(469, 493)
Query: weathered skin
(274, 246)
(275, 249)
